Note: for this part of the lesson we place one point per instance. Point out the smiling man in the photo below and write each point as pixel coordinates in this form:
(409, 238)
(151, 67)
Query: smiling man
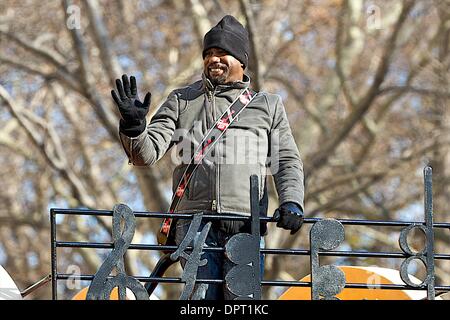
(225, 51)
(215, 177)
(221, 67)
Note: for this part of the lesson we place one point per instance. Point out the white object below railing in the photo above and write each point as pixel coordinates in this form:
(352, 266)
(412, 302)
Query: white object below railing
(8, 289)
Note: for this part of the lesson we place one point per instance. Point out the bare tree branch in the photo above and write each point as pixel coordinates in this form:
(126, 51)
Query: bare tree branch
(321, 157)
(109, 59)
(105, 115)
(51, 150)
(255, 63)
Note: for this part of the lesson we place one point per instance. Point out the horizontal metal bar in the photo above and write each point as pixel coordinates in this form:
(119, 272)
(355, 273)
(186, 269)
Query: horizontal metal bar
(378, 223)
(444, 225)
(355, 254)
(139, 214)
(109, 245)
(276, 283)
(139, 278)
(144, 214)
(303, 252)
(36, 285)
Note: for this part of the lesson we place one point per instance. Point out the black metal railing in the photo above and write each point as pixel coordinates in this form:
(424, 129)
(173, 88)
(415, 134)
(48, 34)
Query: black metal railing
(326, 235)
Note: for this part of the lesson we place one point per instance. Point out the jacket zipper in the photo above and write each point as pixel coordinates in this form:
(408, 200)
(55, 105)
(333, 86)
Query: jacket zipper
(217, 202)
(209, 95)
(215, 205)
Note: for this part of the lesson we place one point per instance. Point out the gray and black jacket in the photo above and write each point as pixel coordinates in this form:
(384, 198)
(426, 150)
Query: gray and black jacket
(258, 142)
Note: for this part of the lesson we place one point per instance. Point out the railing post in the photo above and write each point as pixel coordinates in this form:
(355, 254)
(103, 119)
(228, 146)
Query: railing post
(53, 253)
(428, 204)
(326, 281)
(254, 208)
(243, 250)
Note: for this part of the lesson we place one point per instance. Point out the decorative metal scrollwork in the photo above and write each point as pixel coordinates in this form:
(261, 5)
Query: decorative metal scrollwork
(326, 281)
(243, 250)
(101, 286)
(426, 255)
(243, 280)
(193, 259)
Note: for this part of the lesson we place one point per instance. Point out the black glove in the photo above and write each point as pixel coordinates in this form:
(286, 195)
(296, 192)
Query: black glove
(289, 216)
(132, 110)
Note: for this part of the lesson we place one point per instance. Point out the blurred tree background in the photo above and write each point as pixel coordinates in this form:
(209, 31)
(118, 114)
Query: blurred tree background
(365, 84)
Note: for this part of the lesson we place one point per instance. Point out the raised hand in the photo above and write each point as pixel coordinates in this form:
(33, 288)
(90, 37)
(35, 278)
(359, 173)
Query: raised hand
(131, 109)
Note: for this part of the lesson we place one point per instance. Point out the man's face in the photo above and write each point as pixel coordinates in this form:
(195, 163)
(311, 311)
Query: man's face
(220, 67)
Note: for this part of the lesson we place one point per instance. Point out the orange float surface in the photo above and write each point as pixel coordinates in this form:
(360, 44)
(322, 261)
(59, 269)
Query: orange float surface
(363, 275)
(81, 295)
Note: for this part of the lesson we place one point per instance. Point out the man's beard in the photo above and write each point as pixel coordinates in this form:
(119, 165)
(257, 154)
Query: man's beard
(218, 79)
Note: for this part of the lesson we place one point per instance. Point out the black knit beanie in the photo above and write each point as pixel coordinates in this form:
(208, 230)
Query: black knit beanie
(231, 36)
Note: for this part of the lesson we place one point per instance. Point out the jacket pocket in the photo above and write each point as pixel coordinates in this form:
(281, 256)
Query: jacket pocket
(199, 186)
(235, 186)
